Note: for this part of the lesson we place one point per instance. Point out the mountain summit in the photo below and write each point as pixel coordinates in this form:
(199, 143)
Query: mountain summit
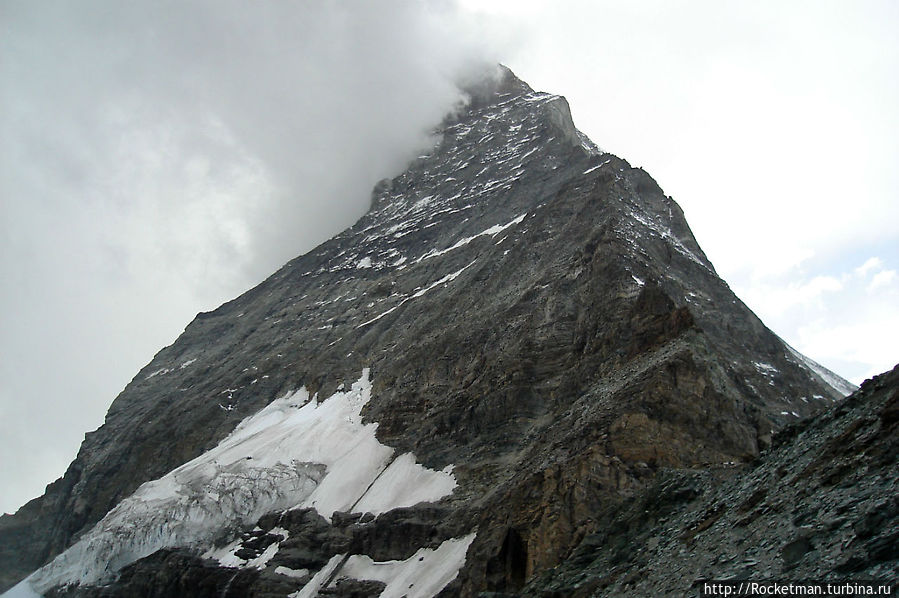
(445, 398)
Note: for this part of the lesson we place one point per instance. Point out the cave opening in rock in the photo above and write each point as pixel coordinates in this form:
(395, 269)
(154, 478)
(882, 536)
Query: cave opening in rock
(508, 569)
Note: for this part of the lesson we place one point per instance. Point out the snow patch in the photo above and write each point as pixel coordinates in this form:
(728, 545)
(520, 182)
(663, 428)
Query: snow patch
(310, 590)
(448, 278)
(492, 232)
(666, 233)
(22, 589)
(765, 368)
(225, 555)
(837, 383)
(423, 575)
(288, 572)
(158, 372)
(404, 480)
(293, 453)
(600, 165)
(262, 560)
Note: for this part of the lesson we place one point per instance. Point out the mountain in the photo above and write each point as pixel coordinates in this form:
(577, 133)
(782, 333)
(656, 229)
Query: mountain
(520, 337)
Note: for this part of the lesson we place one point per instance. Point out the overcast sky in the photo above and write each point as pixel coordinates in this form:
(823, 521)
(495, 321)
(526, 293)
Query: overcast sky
(158, 158)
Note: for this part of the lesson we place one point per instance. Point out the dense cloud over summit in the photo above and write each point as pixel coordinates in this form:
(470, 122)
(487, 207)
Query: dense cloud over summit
(159, 158)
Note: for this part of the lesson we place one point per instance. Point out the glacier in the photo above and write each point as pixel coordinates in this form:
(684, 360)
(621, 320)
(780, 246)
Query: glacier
(294, 453)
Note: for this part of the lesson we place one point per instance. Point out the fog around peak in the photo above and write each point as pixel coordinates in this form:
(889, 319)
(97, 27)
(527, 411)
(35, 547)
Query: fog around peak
(159, 158)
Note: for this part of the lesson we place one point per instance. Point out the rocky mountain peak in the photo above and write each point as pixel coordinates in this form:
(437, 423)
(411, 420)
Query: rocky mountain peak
(519, 335)
(493, 86)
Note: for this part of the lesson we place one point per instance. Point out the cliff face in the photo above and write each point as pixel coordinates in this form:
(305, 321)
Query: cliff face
(519, 335)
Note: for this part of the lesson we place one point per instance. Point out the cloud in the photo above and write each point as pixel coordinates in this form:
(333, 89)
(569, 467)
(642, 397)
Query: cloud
(874, 263)
(882, 279)
(158, 158)
(774, 126)
(863, 343)
(846, 320)
(776, 296)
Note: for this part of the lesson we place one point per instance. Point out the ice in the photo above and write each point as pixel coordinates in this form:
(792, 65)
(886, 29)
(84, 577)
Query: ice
(765, 368)
(538, 96)
(268, 554)
(448, 278)
(295, 452)
(600, 165)
(419, 293)
(22, 589)
(422, 575)
(835, 382)
(225, 555)
(491, 232)
(187, 363)
(404, 480)
(498, 228)
(158, 372)
(664, 232)
(310, 590)
(288, 572)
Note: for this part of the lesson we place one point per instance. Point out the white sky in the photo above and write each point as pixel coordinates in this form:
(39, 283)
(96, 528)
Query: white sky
(158, 158)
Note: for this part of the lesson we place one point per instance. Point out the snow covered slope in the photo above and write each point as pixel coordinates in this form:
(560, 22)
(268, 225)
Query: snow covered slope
(294, 453)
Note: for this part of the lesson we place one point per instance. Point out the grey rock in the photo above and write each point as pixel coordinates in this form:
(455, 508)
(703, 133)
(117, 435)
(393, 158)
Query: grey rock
(533, 310)
(794, 476)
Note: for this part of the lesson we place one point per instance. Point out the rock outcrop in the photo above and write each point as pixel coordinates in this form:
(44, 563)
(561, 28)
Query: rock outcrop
(821, 504)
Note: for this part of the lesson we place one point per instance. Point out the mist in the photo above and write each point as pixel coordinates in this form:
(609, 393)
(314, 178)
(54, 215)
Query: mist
(157, 159)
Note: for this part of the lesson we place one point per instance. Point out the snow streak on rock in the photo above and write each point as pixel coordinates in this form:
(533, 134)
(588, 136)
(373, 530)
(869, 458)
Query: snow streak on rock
(293, 453)
(832, 380)
(422, 575)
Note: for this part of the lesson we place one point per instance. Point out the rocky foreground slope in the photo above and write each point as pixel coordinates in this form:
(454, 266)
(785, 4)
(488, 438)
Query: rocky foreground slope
(821, 504)
(521, 336)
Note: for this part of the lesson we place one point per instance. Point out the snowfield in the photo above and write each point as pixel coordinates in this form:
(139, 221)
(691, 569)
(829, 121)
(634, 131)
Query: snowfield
(422, 575)
(294, 453)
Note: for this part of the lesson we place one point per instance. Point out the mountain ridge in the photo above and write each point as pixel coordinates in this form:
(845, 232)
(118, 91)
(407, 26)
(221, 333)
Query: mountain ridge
(513, 286)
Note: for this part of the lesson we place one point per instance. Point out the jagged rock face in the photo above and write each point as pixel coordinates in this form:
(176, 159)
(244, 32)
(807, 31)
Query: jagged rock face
(534, 313)
(821, 504)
